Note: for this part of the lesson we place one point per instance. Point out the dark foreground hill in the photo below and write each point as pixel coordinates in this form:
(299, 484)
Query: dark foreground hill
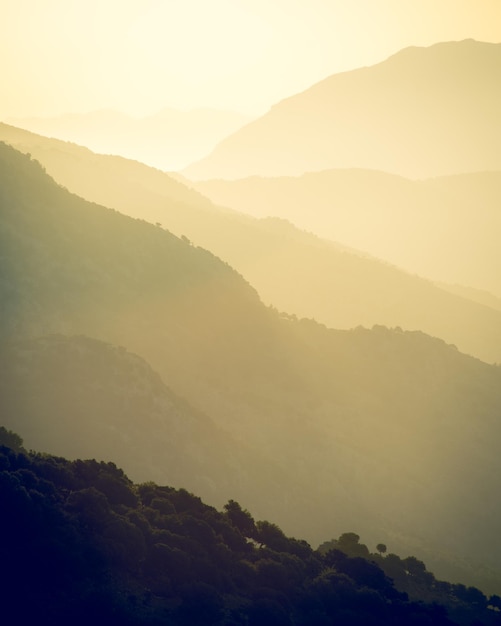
(390, 433)
(82, 543)
(299, 273)
(423, 112)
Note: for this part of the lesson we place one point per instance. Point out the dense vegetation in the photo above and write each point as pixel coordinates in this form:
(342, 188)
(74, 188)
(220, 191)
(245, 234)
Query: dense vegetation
(81, 542)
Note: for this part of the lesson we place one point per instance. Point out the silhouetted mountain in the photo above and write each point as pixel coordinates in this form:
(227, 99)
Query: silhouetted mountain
(445, 229)
(295, 271)
(82, 543)
(391, 433)
(423, 112)
(169, 139)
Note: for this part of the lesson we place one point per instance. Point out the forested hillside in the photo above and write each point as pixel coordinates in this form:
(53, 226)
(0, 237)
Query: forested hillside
(86, 544)
(297, 272)
(391, 434)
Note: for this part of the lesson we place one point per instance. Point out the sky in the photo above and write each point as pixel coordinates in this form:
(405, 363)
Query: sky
(139, 56)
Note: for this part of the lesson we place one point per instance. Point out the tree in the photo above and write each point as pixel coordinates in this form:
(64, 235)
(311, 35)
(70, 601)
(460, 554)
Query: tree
(381, 548)
(350, 544)
(240, 518)
(470, 595)
(10, 440)
(272, 536)
(495, 602)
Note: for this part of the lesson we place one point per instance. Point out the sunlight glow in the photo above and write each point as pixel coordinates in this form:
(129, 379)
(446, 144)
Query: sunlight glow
(198, 42)
(138, 56)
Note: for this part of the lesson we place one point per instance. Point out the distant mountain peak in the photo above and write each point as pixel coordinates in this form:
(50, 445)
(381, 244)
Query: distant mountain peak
(422, 112)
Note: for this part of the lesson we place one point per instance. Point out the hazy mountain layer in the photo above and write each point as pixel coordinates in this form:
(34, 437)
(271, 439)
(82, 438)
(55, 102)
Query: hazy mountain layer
(392, 434)
(293, 270)
(169, 139)
(445, 229)
(83, 398)
(480, 296)
(423, 112)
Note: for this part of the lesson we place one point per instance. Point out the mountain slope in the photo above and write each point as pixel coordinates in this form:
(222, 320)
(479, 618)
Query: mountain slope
(444, 229)
(293, 270)
(390, 433)
(83, 398)
(423, 112)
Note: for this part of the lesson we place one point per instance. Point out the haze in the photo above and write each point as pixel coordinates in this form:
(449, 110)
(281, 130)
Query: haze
(251, 250)
(139, 56)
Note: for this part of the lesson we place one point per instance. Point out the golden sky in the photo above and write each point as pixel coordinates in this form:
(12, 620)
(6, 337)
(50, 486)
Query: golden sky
(139, 56)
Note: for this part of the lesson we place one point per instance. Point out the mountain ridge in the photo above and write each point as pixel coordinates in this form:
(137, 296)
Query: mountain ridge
(436, 115)
(442, 228)
(353, 412)
(294, 271)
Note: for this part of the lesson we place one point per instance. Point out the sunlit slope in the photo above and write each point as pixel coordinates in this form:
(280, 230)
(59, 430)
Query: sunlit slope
(74, 266)
(445, 228)
(391, 433)
(95, 176)
(422, 112)
(295, 271)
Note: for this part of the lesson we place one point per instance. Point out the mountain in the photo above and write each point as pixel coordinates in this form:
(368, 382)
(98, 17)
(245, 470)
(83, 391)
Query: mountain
(444, 228)
(169, 139)
(83, 398)
(390, 433)
(296, 271)
(423, 112)
(477, 295)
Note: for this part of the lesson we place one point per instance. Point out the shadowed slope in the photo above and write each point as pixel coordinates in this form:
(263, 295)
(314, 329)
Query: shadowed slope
(82, 398)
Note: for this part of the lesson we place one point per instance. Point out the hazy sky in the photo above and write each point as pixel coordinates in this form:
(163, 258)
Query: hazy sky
(139, 56)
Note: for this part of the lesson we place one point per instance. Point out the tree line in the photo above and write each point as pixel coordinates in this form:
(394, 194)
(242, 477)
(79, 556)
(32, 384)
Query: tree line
(81, 542)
